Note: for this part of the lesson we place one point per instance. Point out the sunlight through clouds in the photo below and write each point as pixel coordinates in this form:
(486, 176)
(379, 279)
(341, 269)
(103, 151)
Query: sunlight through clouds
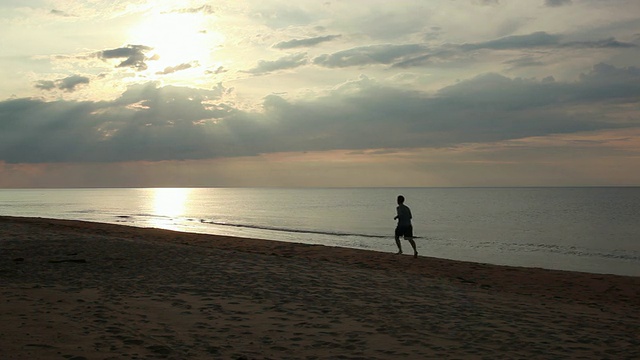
(179, 42)
(291, 92)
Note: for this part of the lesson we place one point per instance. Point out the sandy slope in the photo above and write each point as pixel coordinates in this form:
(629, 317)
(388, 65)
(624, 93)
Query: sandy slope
(75, 290)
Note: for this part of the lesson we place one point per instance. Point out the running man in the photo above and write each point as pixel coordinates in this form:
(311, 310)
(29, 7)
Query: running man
(404, 227)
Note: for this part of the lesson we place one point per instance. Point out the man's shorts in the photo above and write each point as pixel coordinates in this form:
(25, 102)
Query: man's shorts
(404, 230)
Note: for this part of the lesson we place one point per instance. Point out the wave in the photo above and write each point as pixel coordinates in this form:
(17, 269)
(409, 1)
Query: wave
(132, 218)
(509, 247)
(628, 255)
(291, 230)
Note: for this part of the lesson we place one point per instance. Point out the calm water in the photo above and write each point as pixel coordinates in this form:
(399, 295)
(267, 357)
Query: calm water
(582, 229)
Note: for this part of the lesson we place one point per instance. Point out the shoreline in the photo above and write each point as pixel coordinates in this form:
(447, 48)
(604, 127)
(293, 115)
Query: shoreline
(461, 271)
(275, 299)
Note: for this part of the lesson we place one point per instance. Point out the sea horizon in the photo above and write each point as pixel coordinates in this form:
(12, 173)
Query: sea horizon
(590, 229)
(326, 187)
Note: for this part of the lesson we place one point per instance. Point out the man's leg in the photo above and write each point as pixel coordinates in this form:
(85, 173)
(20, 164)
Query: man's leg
(398, 234)
(413, 245)
(399, 245)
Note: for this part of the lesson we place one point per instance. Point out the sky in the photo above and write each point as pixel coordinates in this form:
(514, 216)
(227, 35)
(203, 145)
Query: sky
(319, 93)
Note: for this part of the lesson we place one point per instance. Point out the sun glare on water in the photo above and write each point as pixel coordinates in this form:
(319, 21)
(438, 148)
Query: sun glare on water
(170, 201)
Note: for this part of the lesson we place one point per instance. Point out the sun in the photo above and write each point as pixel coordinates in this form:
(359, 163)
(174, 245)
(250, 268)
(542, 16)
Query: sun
(181, 42)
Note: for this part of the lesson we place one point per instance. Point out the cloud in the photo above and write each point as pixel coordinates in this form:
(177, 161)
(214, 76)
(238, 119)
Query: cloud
(609, 83)
(154, 123)
(205, 9)
(145, 123)
(603, 84)
(45, 85)
(601, 44)
(556, 3)
(133, 55)
(286, 62)
(276, 15)
(61, 13)
(217, 71)
(410, 55)
(524, 61)
(68, 84)
(173, 69)
(366, 55)
(534, 40)
(542, 39)
(487, 2)
(296, 43)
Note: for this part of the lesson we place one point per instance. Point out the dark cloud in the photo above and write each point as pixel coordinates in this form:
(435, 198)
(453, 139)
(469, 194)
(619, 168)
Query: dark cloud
(45, 85)
(410, 55)
(534, 40)
(145, 123)
(604, 83)
(286, 62)
(68, 84)
(621, 85)
(296, 43)
(154, 123)
(366, 55)
(434, 57)
(133, 55)
(601, 44)
(542, 39)
(556, 3)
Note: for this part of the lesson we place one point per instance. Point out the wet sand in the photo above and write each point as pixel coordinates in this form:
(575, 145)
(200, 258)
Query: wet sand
(78, 290)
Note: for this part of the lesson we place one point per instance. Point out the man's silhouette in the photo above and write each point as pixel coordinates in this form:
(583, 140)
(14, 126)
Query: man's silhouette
(404, 227)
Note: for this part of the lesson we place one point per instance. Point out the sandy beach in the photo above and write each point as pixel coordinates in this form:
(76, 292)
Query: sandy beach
(78, 290)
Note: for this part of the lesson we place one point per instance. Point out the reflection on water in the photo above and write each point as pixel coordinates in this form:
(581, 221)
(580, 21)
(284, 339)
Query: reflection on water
(169, 203)
(580, 229)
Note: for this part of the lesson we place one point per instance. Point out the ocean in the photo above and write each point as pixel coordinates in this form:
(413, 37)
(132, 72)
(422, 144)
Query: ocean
(592, 230)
